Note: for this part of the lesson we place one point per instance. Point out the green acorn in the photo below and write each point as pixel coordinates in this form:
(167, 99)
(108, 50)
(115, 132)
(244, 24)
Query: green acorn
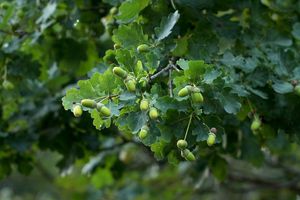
(144, 105)
(143, 82)
(117, 46)
(297, 89)
(77, 111)
(130, 84)
(143, 48)
(182, 144)
(183, 92)
(7, 85)
(188, 155)
(256, 124)
(143, 132)
(118, 71)
(197, 97)
(103, 109)
(211, 139)
(153, 113)
(89, 103)
(113, 11)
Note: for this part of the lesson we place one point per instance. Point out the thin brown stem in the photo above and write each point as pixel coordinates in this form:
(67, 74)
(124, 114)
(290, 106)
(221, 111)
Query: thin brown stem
(170, 83)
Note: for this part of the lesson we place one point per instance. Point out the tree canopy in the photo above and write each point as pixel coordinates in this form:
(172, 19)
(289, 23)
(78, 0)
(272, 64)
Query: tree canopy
(153, 99)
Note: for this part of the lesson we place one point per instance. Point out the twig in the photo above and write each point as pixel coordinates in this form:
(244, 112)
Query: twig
(6, 32)
(15, 33)
(261, 183)
(173, 5)
(250, 106)
(188, 127)
(160, 72)
(170, 83)
(106, 97)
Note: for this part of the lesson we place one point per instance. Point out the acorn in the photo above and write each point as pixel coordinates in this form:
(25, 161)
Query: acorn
(143, 132)
(183, 92)
(77, 111)
(103, 110)
(188, 155)
(89, 103)
(256, 124)
(182, 144)
(153, 113)
(211, 139)
(144, 105)
(130, 85)
(143, 48)
(118, 71)
(117, 46)
(143, 82)
(297, 89)
(197, 97)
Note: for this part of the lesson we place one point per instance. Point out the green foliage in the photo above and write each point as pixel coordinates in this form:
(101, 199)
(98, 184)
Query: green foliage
(167, 72)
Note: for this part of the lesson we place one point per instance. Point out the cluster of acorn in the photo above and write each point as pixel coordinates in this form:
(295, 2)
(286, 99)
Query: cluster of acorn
(193, 92)
(187, 154)
(89, 103)
(153, 114)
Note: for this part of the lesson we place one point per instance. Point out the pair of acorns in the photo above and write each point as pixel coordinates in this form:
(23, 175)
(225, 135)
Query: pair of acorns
(128, 79)
(185, 153)
(194, 93)
(89, 103)
(153, 114)
(145, 105)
